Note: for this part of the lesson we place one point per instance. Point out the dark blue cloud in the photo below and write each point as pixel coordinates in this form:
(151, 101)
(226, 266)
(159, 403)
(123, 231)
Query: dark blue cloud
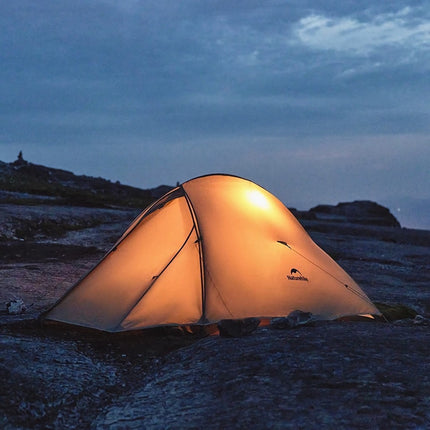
(156, 91)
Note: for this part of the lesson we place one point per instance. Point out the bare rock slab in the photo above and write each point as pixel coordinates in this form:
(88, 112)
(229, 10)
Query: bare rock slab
(335, 375)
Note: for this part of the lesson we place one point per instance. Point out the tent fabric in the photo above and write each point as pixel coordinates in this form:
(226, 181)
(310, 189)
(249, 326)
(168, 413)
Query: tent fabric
(216, 247)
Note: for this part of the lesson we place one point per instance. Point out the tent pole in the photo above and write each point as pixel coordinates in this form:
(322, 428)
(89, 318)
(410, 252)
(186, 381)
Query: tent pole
(199, 242)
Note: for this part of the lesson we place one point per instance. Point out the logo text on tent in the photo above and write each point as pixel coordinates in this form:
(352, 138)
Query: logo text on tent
(296, 275)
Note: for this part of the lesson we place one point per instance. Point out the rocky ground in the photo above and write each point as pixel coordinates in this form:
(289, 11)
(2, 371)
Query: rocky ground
(332, 374)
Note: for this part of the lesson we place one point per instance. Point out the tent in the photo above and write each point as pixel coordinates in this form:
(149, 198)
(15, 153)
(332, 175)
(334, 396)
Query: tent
(216, 247)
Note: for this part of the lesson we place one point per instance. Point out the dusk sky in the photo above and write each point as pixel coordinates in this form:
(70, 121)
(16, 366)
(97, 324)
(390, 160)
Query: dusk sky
(317, 101)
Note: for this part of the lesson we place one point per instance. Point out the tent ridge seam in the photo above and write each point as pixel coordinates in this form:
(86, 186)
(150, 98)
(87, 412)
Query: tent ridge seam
(199, 241)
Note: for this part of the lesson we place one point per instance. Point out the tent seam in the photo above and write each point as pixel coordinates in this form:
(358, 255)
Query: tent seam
(156, 278)
(201, 252)
(348, 287)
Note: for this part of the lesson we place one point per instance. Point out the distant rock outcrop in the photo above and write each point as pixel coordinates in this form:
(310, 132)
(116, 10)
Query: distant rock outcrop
(358, 212)
(159, 191)
(24, 182)
(303, 215)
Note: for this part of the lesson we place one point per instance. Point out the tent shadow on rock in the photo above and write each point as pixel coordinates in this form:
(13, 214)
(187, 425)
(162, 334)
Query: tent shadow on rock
(216, 247)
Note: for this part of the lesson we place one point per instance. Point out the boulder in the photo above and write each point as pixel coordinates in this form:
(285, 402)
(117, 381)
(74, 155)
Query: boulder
(295, 319)
(359, 212)
(396, 311)
(420, 320)
(237, 328)
(16, 307)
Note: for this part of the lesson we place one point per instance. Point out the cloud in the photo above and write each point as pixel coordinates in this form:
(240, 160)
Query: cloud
(286, 93)
(352, 36)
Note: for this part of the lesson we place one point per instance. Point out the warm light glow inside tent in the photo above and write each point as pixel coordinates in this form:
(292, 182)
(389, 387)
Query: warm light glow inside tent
(216, 247)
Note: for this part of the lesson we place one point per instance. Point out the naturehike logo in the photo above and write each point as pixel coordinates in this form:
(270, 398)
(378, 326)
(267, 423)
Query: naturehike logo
(296, 276)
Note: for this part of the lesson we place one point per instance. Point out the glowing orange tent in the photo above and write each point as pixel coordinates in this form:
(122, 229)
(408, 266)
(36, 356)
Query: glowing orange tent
(216, 247)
